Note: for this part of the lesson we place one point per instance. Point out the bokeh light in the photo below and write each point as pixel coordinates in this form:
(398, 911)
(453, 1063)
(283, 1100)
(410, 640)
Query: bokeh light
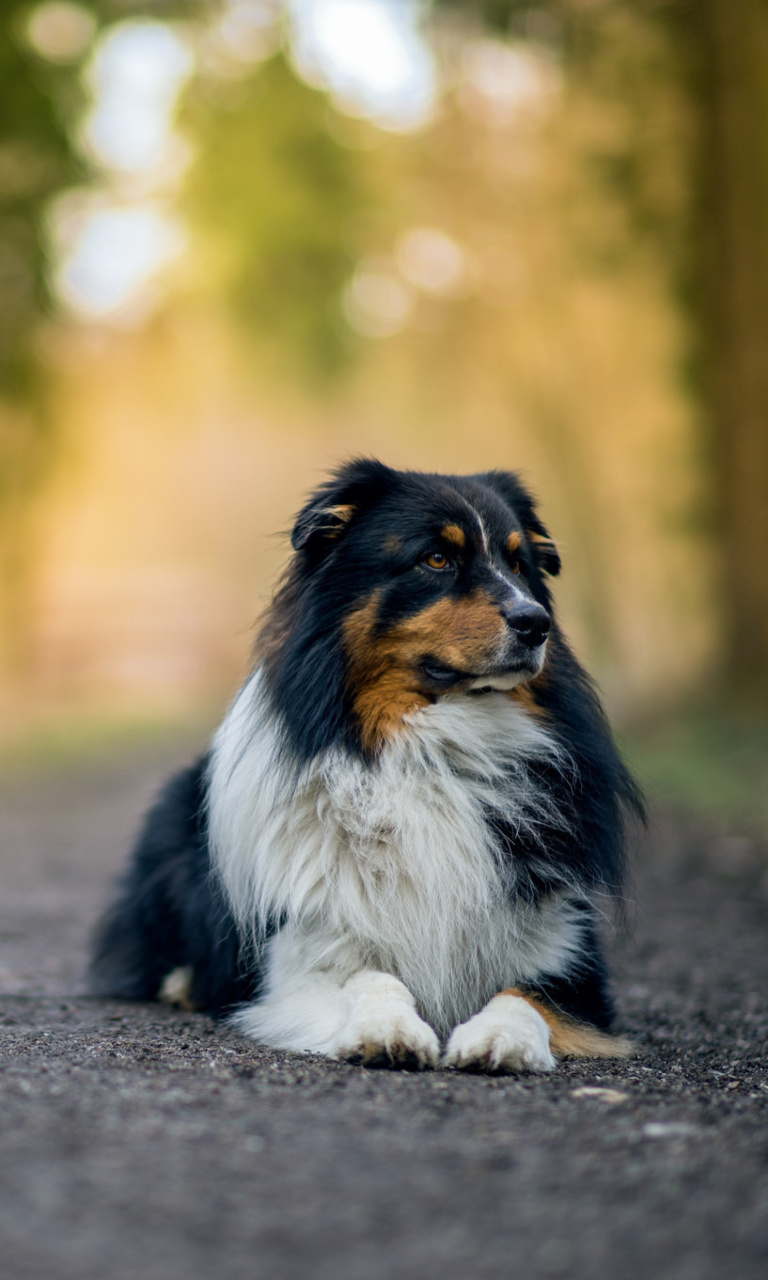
(60, 31)
(111, 255)
(370, 55)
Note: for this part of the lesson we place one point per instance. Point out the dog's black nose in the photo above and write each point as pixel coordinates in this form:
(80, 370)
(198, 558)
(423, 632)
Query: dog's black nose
(529, 622)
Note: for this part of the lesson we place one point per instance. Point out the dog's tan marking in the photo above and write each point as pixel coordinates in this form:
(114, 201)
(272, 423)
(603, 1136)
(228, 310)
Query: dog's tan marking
(343, 513)
(453, 534)
(381, 706)
(465, 633)
(385, 682)
(545, 544)
(547, 549)
(383, 690)
(525, 696)
(514, 543)
(569, 1038)
(176, 988)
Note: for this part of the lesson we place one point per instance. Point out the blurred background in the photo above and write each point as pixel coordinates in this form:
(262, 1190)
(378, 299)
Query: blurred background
(241, 240)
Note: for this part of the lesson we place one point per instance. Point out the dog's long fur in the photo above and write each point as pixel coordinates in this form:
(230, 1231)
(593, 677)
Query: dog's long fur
(405, 816)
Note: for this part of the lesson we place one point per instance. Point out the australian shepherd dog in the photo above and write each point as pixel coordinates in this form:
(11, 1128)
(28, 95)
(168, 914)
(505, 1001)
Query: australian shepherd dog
(393, 851)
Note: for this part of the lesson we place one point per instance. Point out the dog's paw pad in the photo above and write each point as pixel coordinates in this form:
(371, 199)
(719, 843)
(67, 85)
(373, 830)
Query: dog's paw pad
(507, 1036)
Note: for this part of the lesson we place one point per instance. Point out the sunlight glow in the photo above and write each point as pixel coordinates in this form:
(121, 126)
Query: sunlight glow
(376, 303)
(59, 31)
(136, 74)
(502, 80)
(245, 32)
(432, 261)
(370, 55)
(115, 253)
(111, 243)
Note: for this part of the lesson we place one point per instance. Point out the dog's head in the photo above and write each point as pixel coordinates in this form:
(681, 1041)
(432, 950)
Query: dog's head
(407, 586)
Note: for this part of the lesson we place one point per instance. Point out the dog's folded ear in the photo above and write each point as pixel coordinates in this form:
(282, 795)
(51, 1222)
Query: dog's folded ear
(321, 524)
(545, 549)
(330, 512)
(510, 487)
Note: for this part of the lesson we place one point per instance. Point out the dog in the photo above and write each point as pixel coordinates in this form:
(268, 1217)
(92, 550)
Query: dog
(399, 835)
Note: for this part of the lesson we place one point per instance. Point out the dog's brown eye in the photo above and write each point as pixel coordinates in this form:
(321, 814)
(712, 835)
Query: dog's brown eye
(436, 560)
(515, 566)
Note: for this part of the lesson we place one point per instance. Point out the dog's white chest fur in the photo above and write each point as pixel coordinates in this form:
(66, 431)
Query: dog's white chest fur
(391, 866)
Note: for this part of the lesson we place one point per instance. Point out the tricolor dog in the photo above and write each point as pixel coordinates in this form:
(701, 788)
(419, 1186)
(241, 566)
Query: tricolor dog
(392, 851)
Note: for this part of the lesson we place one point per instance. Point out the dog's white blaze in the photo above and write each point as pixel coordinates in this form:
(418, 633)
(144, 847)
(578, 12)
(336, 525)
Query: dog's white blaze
(483, 532)
(389, 866)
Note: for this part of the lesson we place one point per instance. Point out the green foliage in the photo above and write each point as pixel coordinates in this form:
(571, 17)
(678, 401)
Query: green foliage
(516, 17)
(274, 200)
(36, 161)
(705, 762)
(40, 105)
(68, 741)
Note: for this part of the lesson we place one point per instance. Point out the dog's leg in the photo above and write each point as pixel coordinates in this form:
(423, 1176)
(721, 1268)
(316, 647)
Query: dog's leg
(571, 1038)
(370, 1018)
(320, 998)
(519, 1031)
(303, 1012)
(382, 1027)
(507, 1035)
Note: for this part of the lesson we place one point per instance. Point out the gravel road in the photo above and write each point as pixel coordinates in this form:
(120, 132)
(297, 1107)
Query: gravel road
(140, 1142)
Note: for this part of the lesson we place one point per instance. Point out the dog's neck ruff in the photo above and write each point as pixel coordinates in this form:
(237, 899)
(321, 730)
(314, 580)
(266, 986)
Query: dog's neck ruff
(394, 864)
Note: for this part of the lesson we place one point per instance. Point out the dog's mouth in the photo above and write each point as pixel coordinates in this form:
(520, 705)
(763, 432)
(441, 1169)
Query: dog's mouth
(441, 676)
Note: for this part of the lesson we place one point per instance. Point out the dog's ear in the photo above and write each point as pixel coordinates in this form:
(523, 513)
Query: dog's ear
(545, 549)
(318, 523)
(511, 488)
(331, 511)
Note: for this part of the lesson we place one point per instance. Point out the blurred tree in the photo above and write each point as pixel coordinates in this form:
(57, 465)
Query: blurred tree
(715, 244)
(276, 204)
(733, 96)
(272, 202)
(37, 159)
(41, 99)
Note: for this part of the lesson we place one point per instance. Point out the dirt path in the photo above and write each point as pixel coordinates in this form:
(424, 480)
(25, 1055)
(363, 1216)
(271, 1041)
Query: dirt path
(138, 1142)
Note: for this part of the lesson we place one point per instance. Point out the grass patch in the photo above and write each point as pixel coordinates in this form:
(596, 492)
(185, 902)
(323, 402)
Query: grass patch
(80, 739)
(705, 764)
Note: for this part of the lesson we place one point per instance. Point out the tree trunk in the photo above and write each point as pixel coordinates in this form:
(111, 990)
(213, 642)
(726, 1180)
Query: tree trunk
(735, 216)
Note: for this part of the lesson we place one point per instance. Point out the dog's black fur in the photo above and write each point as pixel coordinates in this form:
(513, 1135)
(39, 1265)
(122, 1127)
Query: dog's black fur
(170, 912)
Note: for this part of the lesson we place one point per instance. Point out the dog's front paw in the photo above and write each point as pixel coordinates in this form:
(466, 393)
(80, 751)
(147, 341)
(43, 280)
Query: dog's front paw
(383, 1028)
(507, 1035)
(395, 1039)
